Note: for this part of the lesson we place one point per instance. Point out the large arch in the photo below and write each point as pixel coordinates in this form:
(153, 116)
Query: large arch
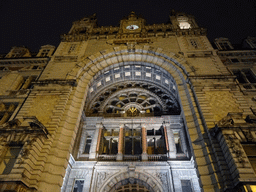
(146, 179)
(148, 87)
(174, 64)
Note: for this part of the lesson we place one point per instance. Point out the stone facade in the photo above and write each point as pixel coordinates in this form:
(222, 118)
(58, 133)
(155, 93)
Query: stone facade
(135, 107)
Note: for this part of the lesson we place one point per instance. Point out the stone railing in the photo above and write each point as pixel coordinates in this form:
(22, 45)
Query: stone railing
(132, 157)
(107, 157)
(155, 157)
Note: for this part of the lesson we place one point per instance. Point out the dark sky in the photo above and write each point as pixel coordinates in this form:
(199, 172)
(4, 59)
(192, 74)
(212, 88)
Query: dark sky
(33, 23)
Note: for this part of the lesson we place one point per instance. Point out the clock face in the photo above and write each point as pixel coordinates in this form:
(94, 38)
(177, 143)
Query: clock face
(132, 27)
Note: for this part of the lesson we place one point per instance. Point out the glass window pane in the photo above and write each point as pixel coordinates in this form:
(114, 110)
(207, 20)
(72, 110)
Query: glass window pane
(9, 159)
(186, 186)
(78, 187)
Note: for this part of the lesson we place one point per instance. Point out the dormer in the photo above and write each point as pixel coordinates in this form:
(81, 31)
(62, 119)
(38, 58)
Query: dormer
(250, 42)
(182, 21)
(223, 43)
(46, 51)
(17, 52)
(84, 25)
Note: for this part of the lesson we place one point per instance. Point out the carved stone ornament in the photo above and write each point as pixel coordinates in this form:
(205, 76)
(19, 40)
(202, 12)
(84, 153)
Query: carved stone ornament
(81, 174)
(162, 176)
(102, 176)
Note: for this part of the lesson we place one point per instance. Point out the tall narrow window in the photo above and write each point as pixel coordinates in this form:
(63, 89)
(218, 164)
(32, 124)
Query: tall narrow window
(250, 152)
(9, 159)
(6, 111)
(78, 186)
(186, 186)
(156, 141)
(88, 145)
(132, 144)
(110, 142)
(178, 144)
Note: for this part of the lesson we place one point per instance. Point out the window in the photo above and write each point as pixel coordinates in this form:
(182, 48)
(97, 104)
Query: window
(72, 48)
(224, 45)
(178, 144)
(250, 152)
(6, 111)
(194, 43)
(110, 141)
(156, 141)
(246, 77)
(78, 186)
(35, 67)
(28, 83)
(234, 60)
(9, 159)
(186, 186)
(132, 141)
(45, 52)
(88, 145)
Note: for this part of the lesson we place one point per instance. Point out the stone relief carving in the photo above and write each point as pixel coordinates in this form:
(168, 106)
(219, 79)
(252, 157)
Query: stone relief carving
(101, 177)
(160, 176)
(131, 176)
(81, 173)
(235, 146)
(163, 178)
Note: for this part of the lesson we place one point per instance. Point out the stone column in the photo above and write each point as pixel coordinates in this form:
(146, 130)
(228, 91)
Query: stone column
(95, 145)
(119, 156)
(170, 143)
(144, 155)
(82, 142)
(27, 83)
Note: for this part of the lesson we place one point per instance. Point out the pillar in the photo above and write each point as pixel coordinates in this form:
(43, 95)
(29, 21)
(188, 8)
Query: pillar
(82, 142)
(170, 143)
(95, 145)
(144, 155)
(119, 156)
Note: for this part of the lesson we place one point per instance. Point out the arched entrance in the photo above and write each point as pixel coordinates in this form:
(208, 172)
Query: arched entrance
(131, 185)
(121, 90)
(133, 181)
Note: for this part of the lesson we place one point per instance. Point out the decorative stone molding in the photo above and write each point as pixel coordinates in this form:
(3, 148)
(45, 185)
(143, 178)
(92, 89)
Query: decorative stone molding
(56, 81)
(145, 177)
(232, 132)
(27, 125)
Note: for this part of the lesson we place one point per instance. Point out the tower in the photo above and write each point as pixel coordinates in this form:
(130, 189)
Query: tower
(135, 107)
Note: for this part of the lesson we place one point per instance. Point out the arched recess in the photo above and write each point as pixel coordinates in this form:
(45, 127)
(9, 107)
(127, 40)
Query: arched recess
(152, 184)
(147, 88)
(174, 64)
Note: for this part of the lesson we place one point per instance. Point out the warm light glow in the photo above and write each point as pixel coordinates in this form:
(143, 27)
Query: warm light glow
(253, 188)
(184, 25)
(132, 27)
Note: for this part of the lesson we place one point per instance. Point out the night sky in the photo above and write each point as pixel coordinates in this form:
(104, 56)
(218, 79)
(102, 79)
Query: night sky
(33, 23)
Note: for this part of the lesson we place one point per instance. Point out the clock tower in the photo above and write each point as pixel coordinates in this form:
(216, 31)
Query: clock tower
(132, 24)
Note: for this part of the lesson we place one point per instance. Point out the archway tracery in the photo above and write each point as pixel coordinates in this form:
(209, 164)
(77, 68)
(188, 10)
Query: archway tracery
(148, 90)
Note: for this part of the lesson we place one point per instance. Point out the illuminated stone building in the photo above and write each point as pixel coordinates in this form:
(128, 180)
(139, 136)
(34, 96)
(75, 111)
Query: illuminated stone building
(135, 107)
